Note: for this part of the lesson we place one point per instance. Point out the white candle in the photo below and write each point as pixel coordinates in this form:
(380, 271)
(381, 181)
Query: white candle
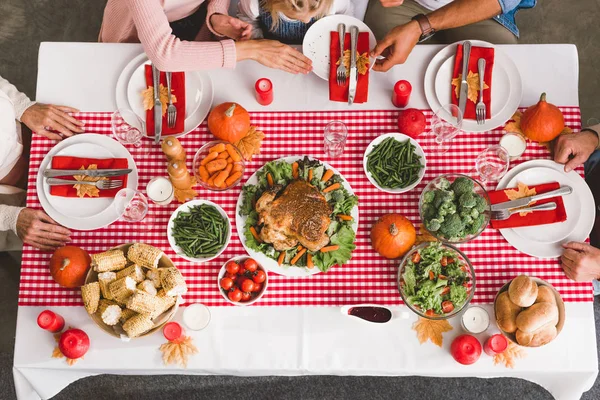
(513, 143)
(475, 320)
(160, 190)
(196, 316)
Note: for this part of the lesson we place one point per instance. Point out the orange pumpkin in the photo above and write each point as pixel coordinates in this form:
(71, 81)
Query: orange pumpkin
(69, 266)
(393, 235)
(229, 122)
(542, 122)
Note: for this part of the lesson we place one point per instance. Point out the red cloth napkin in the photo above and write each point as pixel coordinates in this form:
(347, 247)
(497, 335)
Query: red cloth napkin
(559, 214)
(65, 162)
(486, 53)
(178, 89)
(340, 93)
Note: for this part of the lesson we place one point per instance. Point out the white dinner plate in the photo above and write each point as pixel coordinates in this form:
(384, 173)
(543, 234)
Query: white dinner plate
(87, 213)
(262, 259)
(316, 43)
(559, 230)
(584, 224)
(198, 88)
(507, 88)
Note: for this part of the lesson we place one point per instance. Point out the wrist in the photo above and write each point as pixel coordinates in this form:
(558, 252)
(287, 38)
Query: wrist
(594, 137)
(244, 50)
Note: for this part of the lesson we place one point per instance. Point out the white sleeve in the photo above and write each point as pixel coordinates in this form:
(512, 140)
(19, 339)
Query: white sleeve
(342, 7)
(8, 217)
(248, 11)
(20, 100)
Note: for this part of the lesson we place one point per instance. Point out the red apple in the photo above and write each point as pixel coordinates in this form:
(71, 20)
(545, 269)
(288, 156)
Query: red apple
(411, 122)
(466, 349)
(74, 343)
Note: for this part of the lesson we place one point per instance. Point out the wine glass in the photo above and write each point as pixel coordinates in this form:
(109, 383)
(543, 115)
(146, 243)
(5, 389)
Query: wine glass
(492, 163)
(335, 137)
(446, 123)
(131, 205)
(127, 127)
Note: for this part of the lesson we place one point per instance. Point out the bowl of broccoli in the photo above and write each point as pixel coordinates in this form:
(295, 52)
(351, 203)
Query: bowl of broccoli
(454, 208)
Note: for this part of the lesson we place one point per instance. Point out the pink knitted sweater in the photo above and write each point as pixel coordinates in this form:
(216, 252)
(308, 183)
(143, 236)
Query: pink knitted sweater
(146, 22)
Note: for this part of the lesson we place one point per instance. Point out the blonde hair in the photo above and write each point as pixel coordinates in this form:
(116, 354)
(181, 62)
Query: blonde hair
(318, 8)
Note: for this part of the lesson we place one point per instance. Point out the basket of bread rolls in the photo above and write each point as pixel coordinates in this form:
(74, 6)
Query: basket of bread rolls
(529, 311)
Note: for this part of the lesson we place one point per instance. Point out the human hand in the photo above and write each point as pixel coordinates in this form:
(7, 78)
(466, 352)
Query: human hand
(574, 149)
(581, 261)
(391, 3)
(41, 118)
(230, 27)
(37, 229)
(274, 54)
(396, 46)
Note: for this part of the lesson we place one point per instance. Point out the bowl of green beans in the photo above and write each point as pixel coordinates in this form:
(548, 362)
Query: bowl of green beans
(199, 231)
(394, 163)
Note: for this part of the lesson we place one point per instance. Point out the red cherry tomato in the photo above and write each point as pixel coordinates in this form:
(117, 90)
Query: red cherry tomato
(429, 313)
(233, 277)
(235, 295)
(250, 265)
(445, 291)
(226, 283)
(260, 276)
(232, 267)
(242, 270)
(257, 287)
(246, 296)
(447, 306)
(247, 285)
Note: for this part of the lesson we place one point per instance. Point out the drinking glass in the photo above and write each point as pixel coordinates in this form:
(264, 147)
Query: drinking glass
(492, 163)
(131, 205)
(127, 127)
(335, 137)
(446, 123)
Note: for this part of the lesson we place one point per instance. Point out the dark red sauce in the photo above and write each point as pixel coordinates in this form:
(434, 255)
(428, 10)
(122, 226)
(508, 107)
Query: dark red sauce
(372, 314)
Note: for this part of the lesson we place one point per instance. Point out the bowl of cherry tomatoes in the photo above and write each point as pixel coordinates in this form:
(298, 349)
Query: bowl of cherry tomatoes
(242, 281)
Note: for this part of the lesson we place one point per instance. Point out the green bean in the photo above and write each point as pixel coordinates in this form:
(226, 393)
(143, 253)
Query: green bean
(394, 164)
(200, 232)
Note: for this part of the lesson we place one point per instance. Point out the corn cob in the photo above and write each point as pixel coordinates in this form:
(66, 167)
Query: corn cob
(134, 271)
(144, 255)
(105, 279)
(126, 314)
(122, 288)
(148, 287)
(154, 276)
(111, 260)
(137, 325)
(109, 311)
(90, 294)
(166, 303)
(143, 302)
(172, 281)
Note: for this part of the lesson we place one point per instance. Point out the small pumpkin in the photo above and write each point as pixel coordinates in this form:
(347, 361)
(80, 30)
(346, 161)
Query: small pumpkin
(229, 122)
(542, 122)
(393, 235)
(69, 266)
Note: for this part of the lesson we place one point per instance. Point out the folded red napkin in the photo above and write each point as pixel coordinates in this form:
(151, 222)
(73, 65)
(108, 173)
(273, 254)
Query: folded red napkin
(559, 214)
(65, 162)
(486, 53)
(178, 89)
(340, 93)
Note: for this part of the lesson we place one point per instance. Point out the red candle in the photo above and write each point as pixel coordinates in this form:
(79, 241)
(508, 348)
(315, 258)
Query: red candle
(264, 91)
(173, 331)
(496, 344)
(50, 321)
(402, 90)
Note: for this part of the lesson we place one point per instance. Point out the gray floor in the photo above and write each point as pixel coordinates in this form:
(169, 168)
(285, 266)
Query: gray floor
(24, 23)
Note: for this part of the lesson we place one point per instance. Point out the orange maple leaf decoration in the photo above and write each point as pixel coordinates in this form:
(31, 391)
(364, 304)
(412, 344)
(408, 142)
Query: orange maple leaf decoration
(424, 236)
(250, 144)
(178, 352)
(56, 353)
(89, 190)
(428, 329)
(508, 357)
(473, 81)
(148, 98)
(185, 195)
(521, 191)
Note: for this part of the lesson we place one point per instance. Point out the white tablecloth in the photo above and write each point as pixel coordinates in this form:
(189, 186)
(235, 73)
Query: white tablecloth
(299, 340)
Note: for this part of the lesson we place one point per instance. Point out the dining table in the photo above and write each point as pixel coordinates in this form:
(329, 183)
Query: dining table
(298, 328)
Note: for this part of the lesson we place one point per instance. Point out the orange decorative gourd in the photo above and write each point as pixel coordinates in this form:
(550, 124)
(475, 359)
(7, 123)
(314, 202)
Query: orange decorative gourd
(393, 235)
(542, 122)
(69, 266)
(229, 122)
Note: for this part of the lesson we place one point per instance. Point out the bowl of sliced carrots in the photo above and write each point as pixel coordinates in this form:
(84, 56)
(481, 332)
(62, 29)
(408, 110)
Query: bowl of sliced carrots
(218, 166)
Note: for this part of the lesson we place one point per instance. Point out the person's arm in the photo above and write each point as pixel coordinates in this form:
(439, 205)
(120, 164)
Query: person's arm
(216, 7)
(20, 100)
(574, 149)
(8, 218)
(581, 261)
(248, 11)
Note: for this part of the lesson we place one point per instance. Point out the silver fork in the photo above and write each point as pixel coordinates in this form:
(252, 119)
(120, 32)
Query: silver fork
(505, 214)
(341, 69)
(102, 185)
(171, 110)
(480, 109)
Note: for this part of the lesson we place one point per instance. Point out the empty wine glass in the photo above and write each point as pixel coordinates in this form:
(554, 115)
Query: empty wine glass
(127, 127)
(131, 205)
(335, 137)
(492, 163)
(446, 123)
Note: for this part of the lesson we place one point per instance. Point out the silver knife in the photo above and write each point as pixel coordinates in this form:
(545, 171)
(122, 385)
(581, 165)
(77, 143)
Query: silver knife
(157, 105)
(464, 85)
(353, 74)
(51, 173)
(562, 191)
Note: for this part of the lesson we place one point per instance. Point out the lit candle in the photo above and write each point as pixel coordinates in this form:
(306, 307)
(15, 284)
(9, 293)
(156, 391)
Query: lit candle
(514, 144)
(196, 316)
(264, 91)
(495, 344)
(160, 190)
(173, 331)
(401, 95)
(50, 321)
(475, 320)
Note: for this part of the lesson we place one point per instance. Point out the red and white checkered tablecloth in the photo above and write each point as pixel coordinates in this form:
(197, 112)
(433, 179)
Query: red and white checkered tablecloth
(367, 278)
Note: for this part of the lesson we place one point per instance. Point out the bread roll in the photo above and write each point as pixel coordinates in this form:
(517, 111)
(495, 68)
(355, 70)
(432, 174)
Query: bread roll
(545, 295)
(523, 291)
(540, 337)
(537, 316)
(506, 313)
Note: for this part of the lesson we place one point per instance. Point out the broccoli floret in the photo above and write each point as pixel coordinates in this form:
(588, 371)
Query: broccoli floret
(480, 204)
(433, 225)
(429, 196)
(448, 208)
(443, 183)
(476, 225)
(462, 185)
(453, 227)
(429, 211)
(467, 219)
(442, 196)
(467, 200)
(474, 213)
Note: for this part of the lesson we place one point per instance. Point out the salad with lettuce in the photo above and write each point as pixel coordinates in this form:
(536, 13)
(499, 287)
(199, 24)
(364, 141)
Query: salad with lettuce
(340, 201)
(435, 280)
